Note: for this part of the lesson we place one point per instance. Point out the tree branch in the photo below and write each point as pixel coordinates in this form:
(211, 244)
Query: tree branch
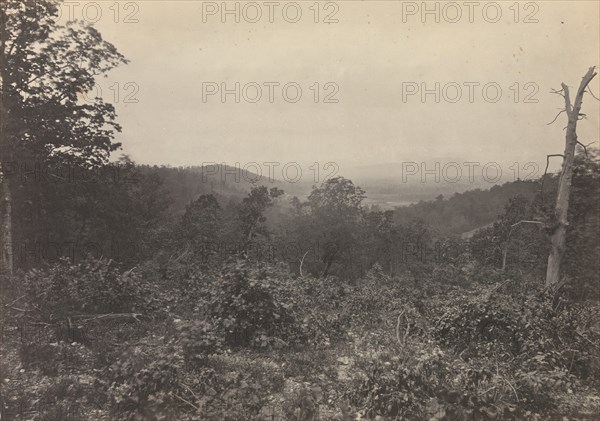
(186, 401)
(398, 328)
(557, 115)
(91, 317)
(568, 105)
(554, 91)
(585, 146)
(302, 262)
(592, 94)
(511, 386)
(574, 111)
(525, 222)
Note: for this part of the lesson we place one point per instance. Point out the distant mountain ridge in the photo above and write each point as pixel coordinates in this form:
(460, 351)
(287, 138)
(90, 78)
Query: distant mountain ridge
(452, 209)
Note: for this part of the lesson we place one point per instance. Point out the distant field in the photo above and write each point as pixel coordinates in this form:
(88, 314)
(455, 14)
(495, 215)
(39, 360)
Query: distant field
(387, 202)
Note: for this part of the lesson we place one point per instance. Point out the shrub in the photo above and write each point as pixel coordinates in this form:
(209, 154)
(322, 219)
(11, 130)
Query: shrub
(234, 387)
(141, 385)
(53, 359)
(248, 303)
(521, 325)
(93, 286)
(198, 340)
(541, 336)
(69, 397)
(428, 383)
(303, 405)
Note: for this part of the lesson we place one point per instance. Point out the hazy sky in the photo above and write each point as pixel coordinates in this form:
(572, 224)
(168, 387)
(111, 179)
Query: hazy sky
(376, 54)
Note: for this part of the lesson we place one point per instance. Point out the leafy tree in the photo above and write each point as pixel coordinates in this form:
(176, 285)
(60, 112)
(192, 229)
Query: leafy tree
(44, 67)
(201, 222)
(114, 212)
(334, 220)
(251, 211)
(337, 197)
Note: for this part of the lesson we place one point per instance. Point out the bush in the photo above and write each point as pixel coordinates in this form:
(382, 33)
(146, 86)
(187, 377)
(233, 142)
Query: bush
(91, 287)
(540, 335)
(234, 387)
(141, 385)
(490, 323)
(198, 340)
(53, 359)
(385, 386)
(428, 383)
(69, 397)
(248, 303)
(303, 405)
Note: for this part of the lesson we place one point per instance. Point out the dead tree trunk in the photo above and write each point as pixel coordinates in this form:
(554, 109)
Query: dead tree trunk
(561, 209)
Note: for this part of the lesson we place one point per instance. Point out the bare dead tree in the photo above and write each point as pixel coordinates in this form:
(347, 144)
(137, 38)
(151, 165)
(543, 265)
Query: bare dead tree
(561, 208)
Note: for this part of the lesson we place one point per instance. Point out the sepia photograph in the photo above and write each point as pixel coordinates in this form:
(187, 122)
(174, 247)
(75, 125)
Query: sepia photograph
(307, 210)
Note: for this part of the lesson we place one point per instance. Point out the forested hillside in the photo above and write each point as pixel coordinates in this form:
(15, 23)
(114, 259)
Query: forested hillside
(467, 211)
(185, 184)
(147, 293)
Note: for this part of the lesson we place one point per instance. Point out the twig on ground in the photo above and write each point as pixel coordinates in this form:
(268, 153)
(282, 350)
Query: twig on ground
(302, 262)
(15, 301)
(398, 328)
(186, 401)
(189, 390)
(91, 317)
(511, 386)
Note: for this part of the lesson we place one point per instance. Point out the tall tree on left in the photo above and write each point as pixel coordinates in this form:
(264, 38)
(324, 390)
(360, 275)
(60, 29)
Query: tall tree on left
(45, 69)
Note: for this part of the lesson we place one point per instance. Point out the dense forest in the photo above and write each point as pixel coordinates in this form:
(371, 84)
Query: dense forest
(141, 292)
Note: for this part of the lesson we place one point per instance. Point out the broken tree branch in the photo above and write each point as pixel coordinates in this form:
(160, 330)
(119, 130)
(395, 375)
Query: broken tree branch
(511, 386)
(566, 96)
(186, 401)
(398, 328)
(546, 172)
(85, 318)
(525, 222)
(302, 262)
(407, 330)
